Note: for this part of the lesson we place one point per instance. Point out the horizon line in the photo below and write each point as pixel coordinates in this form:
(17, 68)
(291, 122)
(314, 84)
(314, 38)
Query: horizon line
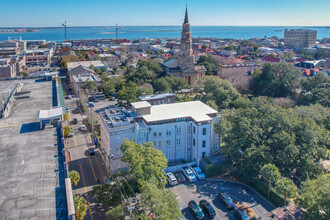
(87, 26)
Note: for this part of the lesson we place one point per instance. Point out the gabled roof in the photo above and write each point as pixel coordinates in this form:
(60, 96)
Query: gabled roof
(79, 70)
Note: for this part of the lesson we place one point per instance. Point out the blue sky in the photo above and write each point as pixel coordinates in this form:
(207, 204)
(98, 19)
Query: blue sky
(167, 12)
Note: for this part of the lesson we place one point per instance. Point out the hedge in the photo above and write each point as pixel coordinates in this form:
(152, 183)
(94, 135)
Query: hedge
(262, 188)
(216, 169)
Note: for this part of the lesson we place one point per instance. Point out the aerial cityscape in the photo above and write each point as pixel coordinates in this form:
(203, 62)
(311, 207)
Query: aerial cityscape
(165, 111)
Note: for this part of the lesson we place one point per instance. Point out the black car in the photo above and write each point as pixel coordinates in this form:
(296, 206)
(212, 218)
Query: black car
(75, 121)
(226, 201)
(207, 208)
(239, 214)
(196, 210)
(179, 176)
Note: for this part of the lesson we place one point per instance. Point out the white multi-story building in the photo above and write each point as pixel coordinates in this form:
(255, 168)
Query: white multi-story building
(182, 131)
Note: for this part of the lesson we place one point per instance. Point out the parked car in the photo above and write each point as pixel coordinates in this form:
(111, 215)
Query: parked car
(198, 172)
(71, 134)
(83, 128)
(171, 179)
(226, 200)
(239, 214)
(207, 208)
(180, 177)
(77, 110)
(91, 151)
(75, 121)
(196, 210)
(189, 174)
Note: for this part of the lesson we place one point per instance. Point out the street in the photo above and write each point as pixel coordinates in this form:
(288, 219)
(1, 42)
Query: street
(90, 168)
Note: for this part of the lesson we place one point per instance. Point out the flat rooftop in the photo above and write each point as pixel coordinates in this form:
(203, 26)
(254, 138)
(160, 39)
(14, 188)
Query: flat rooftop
(156, 96)
(28, 157)
(197, 110)
(116, 117)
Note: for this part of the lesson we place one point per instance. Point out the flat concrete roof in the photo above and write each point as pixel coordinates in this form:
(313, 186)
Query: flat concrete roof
(28, 157)
(141, 104)
(197, 110)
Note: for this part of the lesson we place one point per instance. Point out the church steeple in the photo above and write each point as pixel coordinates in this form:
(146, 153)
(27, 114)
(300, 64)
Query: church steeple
(186, 21)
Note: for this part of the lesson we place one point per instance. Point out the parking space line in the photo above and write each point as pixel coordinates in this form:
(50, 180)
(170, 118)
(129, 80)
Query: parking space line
(86, 193)
(7, 126)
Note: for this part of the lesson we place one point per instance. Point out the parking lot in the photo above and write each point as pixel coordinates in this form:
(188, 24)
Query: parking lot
(208, 190)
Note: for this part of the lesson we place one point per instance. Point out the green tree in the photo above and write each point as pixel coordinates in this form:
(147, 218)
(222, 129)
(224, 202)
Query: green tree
(74, 176)
(128, 93)
(161, 203)
(276, 80)
(145, 162)
(209, 63)
(321, 54)
(315, 89)
(143, 90)
(177, 83)
(67, 130)
(266, 133)
(65, 116)
(89, 86)
(212, 104)
(161, 85)
(80, 207)
(286, 187)
(116, 213)
(271, 173)
(220, 91)
(315, 198)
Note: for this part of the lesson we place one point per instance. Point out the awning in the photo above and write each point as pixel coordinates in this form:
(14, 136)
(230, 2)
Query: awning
(54, 113)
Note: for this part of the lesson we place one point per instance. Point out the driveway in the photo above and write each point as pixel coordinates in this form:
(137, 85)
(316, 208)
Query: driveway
(208, 190)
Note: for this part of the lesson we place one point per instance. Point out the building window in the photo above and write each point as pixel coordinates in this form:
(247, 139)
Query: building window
(194, 142)
(168, 132)
(204, 131)
(168, 155)
(178, 130)
(178, 142)
(204, 144)
(159, 144)
(155, 143)
(155, 134)
(194, 130)
(168, 143)
(160, 134)
(189, 129)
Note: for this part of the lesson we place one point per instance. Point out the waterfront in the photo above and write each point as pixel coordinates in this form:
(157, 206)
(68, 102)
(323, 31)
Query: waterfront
(135, 32)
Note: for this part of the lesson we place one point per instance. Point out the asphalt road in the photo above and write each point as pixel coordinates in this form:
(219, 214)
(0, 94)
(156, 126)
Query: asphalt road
(208, 190)
(90, 168)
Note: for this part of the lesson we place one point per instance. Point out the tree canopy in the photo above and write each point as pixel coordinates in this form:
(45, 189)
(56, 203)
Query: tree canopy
(315, 89)
(266, 133)
(315, 198)
(145, 162)
(276, 80)
(209, 64)
(220, 91)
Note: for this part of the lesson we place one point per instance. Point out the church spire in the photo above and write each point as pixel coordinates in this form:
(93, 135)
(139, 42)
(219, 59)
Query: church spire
(186, 21)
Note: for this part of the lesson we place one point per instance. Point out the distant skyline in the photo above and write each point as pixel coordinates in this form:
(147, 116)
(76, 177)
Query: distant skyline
(38, 13)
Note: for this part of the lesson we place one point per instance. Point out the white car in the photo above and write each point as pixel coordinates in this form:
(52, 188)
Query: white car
(83, 128)
(198, 172)
(171, 179)
(189, 174)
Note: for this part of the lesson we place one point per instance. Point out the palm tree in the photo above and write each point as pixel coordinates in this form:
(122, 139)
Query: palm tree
(80, 207)
(271, 174)
(67, 130)
(286, 187)
(74, 176)
(65, 116)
